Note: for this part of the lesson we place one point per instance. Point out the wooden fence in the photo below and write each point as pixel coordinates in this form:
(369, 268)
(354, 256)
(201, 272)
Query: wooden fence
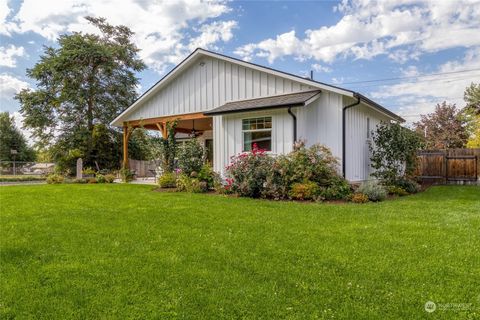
(143, 168)
(449, 166)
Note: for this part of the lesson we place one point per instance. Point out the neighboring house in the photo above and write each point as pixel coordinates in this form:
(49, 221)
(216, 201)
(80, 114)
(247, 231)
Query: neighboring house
(231, 104)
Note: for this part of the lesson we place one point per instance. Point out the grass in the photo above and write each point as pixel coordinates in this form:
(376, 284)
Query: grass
(123, 251)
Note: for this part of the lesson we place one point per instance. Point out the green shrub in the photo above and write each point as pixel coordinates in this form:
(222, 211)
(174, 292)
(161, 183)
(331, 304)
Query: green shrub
(374, 190)
(397, 191)
(55, 178)
(89, 171)
(307, 190)
(207, 175)
(191, 157)
(336, 190)
(358, 197)
(408, 185)
(91, 180)
(126, 175)
(168, 180)
(100, 178)
(183, 182)
(393, 151)
(80, 181)
(188, 184)
(109, 178)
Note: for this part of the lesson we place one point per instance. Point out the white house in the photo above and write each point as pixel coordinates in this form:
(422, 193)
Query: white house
(231, 104)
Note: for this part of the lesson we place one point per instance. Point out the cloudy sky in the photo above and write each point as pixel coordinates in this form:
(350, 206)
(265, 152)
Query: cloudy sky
(406, 54)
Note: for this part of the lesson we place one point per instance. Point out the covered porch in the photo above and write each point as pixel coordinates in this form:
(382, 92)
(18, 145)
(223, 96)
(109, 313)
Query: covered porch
(192, 125)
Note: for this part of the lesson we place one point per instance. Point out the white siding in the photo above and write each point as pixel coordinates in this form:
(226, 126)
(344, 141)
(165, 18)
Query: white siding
(321, 122)
(209, 83)
(228, 136)
(357, 151)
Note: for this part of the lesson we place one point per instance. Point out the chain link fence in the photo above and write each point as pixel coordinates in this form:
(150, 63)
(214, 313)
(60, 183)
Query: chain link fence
(21, 168)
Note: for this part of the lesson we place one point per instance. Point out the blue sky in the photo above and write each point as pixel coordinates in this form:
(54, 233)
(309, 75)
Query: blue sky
(432, 47)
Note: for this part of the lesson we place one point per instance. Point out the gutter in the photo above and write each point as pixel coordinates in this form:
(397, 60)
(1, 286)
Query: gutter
(294, 125)
(344, 130)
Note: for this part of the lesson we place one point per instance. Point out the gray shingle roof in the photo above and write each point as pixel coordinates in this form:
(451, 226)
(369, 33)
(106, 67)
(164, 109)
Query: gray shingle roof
(284, 100)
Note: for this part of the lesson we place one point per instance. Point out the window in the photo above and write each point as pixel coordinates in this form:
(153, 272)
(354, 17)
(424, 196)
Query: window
(259, 131)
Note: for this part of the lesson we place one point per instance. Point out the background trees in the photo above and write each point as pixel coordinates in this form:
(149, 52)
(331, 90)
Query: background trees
(444, 128)
(81, 86)
(11, 138)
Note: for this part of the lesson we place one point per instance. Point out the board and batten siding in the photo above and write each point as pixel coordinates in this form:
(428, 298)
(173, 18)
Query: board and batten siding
(207, 84)
(357, 142)
(228, 135)
(321, 122)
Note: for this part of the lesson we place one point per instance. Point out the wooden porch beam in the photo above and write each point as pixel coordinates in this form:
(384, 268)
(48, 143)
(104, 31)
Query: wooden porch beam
(154, 121)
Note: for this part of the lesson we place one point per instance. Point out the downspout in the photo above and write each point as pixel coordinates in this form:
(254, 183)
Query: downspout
(294, 125)
(344, 135)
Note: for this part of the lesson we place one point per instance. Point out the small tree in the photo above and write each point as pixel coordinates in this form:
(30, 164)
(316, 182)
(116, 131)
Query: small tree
(393, 151)
(12, 139)
(191, 157)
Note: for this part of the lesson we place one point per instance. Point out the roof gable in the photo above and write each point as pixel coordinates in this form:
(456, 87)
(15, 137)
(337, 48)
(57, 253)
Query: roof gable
(192, 60)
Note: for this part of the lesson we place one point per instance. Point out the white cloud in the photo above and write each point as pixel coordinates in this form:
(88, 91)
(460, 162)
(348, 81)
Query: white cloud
(213, 33)
(419, 96)
(8, 55)
(402, 29)
(321, 68)
(162, 28)
(10, 85)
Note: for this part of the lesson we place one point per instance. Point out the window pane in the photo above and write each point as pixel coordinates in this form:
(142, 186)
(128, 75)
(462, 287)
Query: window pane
(263, 139)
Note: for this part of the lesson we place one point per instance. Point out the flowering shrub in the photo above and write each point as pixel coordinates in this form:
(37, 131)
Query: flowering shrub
(258, 174)
(248, 172)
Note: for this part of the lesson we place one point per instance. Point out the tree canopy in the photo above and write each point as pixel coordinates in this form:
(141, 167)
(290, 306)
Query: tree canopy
(81, 86)
(444, 128)
(472, 97)
(11, 138)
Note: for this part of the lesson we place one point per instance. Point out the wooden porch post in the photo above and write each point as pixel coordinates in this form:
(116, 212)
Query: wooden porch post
(126, 135)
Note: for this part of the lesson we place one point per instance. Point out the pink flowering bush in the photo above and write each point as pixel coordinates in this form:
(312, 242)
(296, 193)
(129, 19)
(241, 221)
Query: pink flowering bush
(248, 172)
(258, 174)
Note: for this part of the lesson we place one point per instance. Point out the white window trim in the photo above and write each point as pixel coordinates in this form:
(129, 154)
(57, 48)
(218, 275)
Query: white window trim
(258, 130)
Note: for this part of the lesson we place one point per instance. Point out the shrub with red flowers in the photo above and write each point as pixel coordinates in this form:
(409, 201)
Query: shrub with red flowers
(257, 174)
(248, 171)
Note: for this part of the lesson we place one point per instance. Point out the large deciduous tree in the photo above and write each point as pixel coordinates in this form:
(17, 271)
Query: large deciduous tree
(444, 128)
(81, 86)
(11, 138)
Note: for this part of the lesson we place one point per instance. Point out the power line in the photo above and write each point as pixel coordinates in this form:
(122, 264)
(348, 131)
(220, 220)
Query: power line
(446, 80)
(410, 77)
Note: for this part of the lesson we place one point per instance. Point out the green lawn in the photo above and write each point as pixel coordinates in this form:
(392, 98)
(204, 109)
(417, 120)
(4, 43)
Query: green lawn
(123, 251)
